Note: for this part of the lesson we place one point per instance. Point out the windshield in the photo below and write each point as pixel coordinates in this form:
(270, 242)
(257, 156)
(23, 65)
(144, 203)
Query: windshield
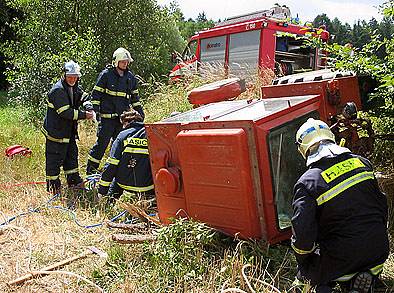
(190, 51)
(287, 165)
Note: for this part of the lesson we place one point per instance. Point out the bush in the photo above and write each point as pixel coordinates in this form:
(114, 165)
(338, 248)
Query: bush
(34, 73)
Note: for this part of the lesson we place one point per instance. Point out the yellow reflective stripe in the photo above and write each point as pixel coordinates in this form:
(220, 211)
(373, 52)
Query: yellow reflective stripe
(345, 278)
(50, 105)
(75, 115)
(136, 104)
(62, 109)
(59, 140)
(374, 271)
(96, 102)
(135, 92)
(104, 183)
(116, 94)
(137, 189)
(109, 115)
(136, 141)
(136, 151)
(112, 161)
(341, 187)
(90, 158)
(68, 172)
(377, 270)
(52, 177)
(341, 168)
(301, 286)
(300, 251)
(99, 89)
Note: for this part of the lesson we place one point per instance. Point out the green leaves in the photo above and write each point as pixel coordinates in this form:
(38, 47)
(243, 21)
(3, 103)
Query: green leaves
(183, 250)
(87, 32)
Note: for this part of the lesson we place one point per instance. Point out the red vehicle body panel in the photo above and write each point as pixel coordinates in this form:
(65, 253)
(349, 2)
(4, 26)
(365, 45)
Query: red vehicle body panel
(335, 92)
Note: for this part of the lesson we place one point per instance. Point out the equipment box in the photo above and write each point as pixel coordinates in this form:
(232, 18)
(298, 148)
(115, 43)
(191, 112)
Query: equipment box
(231, 165)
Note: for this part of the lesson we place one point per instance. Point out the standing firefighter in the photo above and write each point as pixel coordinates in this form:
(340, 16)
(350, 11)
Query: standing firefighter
(60, 128)
(114, 93)
(128, 167)
(340, 215)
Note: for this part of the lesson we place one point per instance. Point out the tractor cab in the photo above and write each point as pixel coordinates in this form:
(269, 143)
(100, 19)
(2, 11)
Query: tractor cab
(231, 164)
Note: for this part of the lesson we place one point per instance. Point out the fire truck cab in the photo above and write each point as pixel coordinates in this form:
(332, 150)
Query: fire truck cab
(244, 44)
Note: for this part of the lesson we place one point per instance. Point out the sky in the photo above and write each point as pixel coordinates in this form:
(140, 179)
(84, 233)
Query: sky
(345, 10)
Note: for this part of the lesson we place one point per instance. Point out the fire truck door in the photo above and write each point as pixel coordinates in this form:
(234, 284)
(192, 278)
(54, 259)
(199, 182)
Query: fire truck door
(217, 179)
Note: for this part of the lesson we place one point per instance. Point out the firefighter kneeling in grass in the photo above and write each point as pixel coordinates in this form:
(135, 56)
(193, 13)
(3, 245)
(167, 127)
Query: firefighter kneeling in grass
(128, 167)
(340, 215)
(60, 128)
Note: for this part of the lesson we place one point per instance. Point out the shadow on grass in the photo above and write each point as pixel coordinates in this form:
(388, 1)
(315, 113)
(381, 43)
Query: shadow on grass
(3, 99)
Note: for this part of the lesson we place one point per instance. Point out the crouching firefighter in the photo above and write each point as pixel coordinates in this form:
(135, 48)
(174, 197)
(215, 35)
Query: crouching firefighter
(128, 166)
(114, 93)
(340, 215)
(60, 128)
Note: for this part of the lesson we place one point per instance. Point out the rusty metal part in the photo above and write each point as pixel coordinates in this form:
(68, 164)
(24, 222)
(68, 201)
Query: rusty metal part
(357, 133)
(130, 239)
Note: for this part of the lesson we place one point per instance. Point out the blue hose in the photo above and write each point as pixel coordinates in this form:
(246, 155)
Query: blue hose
(73, 215)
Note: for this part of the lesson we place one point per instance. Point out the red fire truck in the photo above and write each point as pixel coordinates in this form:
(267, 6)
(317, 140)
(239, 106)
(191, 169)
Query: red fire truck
(244, 44)
(233, 164)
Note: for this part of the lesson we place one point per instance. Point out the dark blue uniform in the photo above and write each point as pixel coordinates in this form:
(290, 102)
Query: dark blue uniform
(60, 130)
(128, 163)
(339, 220)
(112, 95)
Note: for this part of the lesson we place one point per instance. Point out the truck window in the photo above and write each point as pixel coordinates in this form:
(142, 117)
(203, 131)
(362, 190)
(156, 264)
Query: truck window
(291, 56)
(213, 51)
(287, 165)
(190, 51)
(244, 53)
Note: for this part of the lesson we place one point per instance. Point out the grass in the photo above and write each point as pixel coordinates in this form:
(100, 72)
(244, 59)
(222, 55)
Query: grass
(187, 257)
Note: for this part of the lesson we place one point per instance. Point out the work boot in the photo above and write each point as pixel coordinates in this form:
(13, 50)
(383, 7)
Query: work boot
(363, 283)
(54, 186)
(75, 181)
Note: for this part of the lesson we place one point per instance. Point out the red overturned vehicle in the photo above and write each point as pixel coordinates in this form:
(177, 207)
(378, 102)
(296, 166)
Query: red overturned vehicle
(233, 164)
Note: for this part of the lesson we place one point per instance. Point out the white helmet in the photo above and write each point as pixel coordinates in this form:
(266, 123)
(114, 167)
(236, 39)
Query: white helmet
(311, 132)
(121, 54)
(72, 68)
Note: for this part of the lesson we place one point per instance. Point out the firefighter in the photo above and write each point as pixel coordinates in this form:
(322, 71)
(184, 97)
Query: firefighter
(60, 128)
(114, 93)
(128, 167)
(339, 214)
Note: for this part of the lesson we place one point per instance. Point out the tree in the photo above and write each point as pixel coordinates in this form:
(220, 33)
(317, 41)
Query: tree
(322, 19)
(87, 32)
(7, 17)
(341, 31)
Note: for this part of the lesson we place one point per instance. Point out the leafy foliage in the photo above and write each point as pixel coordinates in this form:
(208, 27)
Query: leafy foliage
(183, 250)
(7, 16)
(189, 27)
(87, 32)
